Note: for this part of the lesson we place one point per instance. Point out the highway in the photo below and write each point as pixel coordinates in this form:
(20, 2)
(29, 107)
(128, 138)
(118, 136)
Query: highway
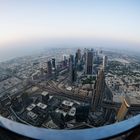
(55, 89)
(109, 105)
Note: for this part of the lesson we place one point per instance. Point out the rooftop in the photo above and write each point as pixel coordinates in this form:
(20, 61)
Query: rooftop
(30, 107)
(44, 93)
(61, 111)
(41, 105)
(67, 103)
(72, 111)
(32, 115)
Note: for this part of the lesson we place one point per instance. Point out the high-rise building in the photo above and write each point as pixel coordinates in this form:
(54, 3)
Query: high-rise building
(104, 61)
(84, 55)
(78, 60)
(123, 109)
(49, 67)
(73, 76)
(89, 62)
(65, 63)
(78, 56)
(53, 62)
(65, 56)
(72, 69)
(99, 90)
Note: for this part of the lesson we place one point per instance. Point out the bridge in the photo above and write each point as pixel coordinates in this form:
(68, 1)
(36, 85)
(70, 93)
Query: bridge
(111, 105)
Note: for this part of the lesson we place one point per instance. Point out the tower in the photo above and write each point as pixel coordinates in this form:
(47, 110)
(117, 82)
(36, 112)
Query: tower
(89, 62)
(72, 69)
(99, 90)
(49, 67)
(104, 61)
(53, 62)
(78, 56)
(123, 109)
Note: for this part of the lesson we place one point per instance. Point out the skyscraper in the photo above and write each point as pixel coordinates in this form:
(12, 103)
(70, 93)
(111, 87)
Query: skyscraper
(49, 67)
(72, 69)
(104, 61)
(89, 62)
(79, 54)
(123, 109)
(53, 62)
(84, 55)
(78, 60)
(99, 90)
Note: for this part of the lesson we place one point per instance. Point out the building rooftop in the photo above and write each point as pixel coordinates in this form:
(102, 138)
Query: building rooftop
(67, 103)
(41, 105)
(44, 93)
(50, 124)
(134, 100)
(31, 107)
(72, 111)
(50, 97)
(61, 111)
(32, 115)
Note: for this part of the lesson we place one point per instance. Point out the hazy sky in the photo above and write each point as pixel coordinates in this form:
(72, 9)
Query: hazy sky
(97, 20)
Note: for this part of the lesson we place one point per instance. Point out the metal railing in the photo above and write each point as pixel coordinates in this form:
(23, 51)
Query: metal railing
(103, 132)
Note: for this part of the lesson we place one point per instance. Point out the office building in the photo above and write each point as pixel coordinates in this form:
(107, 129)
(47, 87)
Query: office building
(99, 90)
(78, 56)
(49, 67)
(104, 62)
(72, 69)
(123, 109)
(31, 107)
(53, 63)
(82, 113)
(41, 107)
(89, 62)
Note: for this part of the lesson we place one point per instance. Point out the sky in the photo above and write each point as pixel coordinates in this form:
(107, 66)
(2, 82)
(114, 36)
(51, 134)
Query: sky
(82, 22)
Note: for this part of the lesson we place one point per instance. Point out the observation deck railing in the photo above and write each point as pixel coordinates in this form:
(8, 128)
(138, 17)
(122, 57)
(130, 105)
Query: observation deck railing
(104, 132)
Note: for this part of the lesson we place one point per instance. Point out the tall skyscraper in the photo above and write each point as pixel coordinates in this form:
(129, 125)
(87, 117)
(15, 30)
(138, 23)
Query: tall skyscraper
(89, 62)
(78, 55)
(104, 61)
(84, 55)
(72, 69)
(78, 60)
(53, 62)
(123, 109)
(99, 90)
(49, 67)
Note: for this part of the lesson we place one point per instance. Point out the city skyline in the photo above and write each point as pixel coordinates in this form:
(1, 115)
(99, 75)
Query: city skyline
(70, 89)
(101, 23)
(69, 69)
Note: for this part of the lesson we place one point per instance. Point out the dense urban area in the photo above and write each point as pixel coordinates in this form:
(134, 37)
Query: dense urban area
(70, 88)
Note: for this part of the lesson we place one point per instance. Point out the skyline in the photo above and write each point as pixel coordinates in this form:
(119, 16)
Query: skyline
(98, 22)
